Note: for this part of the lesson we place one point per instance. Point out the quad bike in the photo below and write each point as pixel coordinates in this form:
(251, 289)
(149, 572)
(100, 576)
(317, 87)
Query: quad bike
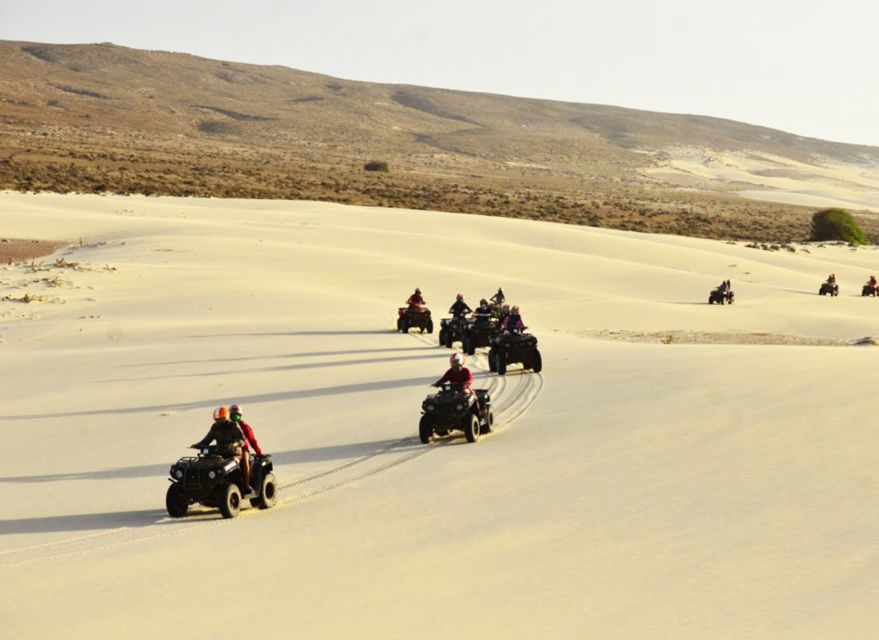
(479, 333)
(511, 348)
(414, 318)
(216, 481)
(719, 296)
(451, 330)
(829, 289)
(869, 290)
(453, 409)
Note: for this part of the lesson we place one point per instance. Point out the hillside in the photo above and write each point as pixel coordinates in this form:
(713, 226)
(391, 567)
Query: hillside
(107, 118)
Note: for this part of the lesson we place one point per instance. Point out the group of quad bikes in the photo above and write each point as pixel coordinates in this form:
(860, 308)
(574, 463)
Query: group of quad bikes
(723, 294)
(831, 288)
(452, 409)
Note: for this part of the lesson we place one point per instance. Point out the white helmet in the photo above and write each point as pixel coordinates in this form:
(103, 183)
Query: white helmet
(456, 357)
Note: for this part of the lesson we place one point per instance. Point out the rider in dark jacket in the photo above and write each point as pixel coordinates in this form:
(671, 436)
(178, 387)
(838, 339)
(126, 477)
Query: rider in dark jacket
(229, 438)
(460, 308)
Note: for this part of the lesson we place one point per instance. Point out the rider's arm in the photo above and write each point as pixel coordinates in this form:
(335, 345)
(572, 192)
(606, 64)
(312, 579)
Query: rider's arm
(210, 436)
(445, 378)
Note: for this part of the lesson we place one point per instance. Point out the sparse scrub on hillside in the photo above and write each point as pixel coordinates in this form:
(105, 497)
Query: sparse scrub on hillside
(837, 224)
(377, 165)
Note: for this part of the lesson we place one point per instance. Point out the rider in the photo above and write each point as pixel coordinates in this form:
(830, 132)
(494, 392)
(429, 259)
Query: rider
(230, 439)
(249, 440)
(499, 297)
(513, 322)
(872, 281)
(415, 301)
(831, 279)
(483, 312)
(459, 308)
(457, 374)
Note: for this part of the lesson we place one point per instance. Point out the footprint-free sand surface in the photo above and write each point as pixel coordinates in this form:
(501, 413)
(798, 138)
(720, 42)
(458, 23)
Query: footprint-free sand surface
(678, 470)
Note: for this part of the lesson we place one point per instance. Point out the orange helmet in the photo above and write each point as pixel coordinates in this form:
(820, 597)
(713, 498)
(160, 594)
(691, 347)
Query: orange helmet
(221, 413)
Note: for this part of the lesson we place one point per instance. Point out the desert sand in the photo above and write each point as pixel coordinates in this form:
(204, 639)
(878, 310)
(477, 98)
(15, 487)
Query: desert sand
(773, 178)
(678, 470)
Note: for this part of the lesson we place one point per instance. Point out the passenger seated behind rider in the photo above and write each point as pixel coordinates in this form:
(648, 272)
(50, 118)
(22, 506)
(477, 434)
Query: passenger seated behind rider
(230, 440)
(831, 279)
(415, 301)
(457, 374)
(872, 281)
(249, 441)
(513, 322)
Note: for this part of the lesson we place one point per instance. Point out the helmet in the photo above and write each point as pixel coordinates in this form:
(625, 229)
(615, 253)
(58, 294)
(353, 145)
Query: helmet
(483, 302)
(500, 289)
(220, 413)
(417, 290)
(456, 357)
(505, 307)
(460, 296)
(515, 309)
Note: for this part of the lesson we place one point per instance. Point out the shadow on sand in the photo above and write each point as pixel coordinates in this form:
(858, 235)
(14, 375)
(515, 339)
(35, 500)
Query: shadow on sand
(278, 396)
(83, 522)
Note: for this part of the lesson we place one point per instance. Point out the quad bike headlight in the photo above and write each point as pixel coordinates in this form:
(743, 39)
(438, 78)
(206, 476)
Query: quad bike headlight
(212, 474)
(430, 407)
(178, 474)
(459, 407)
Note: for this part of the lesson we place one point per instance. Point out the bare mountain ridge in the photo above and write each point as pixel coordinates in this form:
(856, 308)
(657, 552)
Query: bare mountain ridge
(122, 119)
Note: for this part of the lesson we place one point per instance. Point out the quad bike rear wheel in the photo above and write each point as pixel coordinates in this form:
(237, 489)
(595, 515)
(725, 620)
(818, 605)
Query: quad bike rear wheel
(404, 325)
(471, 429)
(500, 363)
(430, 326)
(268, 495)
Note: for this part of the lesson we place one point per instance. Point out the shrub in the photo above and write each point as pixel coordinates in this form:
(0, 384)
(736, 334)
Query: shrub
(836, 224)
(376, 165)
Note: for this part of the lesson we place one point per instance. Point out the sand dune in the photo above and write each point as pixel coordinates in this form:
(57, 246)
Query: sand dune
(635, 489)
(773, 178)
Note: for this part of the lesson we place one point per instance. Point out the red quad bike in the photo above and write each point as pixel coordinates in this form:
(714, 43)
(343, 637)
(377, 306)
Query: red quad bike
(412, 318)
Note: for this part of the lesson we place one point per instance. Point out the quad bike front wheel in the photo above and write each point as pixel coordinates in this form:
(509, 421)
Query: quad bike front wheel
(424, 430)
(430, 326)
(500, 363)
(537, 362)
(230, 501)
(176, 503)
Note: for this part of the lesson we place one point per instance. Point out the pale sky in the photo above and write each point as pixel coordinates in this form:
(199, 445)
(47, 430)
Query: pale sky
(809, 70)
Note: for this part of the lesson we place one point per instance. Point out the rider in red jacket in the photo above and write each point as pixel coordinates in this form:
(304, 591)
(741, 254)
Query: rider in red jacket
(457, 374)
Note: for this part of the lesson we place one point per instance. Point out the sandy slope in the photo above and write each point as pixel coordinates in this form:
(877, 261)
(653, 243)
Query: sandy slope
(763, 176)
(635, 490)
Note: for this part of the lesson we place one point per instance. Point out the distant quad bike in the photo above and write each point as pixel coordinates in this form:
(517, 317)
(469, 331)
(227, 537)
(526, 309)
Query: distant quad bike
(869, 290)
(451, 409)
(828, 289)
(215, 481)
(451, 330)
(719, 297)
(411, 318)
(511, 348)
(479, 334)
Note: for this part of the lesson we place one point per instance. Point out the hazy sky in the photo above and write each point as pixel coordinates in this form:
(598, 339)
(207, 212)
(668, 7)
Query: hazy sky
(811, 70)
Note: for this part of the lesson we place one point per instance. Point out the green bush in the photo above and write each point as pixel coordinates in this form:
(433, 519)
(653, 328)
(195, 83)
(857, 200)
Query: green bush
(376, 165)
(836, 224)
